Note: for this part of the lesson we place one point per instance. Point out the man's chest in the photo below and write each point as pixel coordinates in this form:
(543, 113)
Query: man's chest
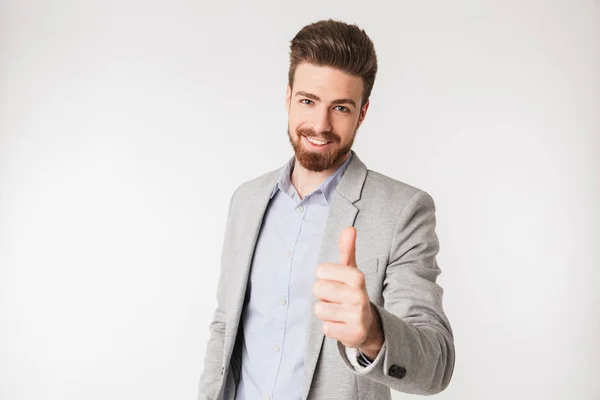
(286, 255)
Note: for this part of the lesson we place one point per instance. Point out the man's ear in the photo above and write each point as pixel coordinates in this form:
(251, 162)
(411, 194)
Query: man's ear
(363, 113)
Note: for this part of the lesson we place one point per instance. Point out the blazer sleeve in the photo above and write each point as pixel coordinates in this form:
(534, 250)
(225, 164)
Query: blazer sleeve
(419, 354)
(210, 378)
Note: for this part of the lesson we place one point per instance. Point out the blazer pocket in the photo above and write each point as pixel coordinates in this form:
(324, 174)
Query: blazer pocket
(368, 266)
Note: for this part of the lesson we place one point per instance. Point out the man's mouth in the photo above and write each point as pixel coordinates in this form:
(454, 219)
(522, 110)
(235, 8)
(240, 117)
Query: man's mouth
(317, 140)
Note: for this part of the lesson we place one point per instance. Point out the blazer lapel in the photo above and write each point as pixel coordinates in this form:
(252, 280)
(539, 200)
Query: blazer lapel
(342, 213)
(253, 213)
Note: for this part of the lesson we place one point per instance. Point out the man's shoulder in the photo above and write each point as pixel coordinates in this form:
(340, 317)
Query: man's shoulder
(250, 186)
(380, 184)
(384, 194)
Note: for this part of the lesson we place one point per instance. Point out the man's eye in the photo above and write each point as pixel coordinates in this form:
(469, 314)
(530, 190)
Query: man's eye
(342, 108)
(306, 101)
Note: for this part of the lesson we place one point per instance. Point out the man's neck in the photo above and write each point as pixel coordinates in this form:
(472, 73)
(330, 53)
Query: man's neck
(306, 181)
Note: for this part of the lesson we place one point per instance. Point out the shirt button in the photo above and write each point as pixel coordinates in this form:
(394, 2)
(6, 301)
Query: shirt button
(268, 397)
(276, 347)
(289, 253)
(300, 209)
(282, 301)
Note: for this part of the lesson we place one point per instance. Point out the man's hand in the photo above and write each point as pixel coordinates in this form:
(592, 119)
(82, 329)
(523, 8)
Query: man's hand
(344, 307)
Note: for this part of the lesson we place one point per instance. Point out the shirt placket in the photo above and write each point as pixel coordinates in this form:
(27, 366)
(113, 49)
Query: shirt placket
(299, 213)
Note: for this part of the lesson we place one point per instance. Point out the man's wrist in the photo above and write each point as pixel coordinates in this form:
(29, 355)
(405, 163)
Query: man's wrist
(372, 346)
(370, 355)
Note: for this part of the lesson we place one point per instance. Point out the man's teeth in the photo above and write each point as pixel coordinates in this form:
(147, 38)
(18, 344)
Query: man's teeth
(317, 141)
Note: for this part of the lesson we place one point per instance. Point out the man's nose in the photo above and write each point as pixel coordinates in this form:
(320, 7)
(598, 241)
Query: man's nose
(322, 122)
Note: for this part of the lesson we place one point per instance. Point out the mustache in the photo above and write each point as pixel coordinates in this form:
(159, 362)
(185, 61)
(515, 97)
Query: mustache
(328, 136)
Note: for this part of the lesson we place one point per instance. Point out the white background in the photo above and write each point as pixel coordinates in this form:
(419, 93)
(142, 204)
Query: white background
(125, 126)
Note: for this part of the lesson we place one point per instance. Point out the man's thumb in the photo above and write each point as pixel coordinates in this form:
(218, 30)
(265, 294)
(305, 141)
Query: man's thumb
(347, 246)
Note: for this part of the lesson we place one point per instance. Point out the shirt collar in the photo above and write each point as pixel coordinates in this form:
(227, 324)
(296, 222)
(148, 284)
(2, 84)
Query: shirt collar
(327, 188)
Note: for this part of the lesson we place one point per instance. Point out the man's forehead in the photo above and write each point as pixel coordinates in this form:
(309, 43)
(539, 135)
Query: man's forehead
(326, 82)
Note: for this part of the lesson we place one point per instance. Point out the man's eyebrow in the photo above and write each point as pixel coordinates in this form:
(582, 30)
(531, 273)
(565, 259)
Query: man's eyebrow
(317, 98)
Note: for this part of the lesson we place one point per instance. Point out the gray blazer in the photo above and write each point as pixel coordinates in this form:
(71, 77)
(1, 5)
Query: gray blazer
(396, 248)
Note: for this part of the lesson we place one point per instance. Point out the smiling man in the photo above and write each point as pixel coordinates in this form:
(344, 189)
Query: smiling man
(327, 287)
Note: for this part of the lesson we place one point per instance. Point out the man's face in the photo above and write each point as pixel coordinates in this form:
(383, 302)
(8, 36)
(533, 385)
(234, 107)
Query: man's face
(323, 106)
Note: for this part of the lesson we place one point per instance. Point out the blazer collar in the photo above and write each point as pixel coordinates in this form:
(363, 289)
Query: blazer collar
(349, 186)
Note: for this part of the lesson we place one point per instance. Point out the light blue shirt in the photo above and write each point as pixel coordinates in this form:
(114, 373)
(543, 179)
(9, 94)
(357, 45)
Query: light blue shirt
(279, 290)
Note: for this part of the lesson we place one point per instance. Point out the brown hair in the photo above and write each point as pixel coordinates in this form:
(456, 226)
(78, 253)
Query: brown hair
(338, 45)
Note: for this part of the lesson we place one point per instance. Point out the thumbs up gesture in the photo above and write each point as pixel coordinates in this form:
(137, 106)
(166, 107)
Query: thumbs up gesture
(344, 307)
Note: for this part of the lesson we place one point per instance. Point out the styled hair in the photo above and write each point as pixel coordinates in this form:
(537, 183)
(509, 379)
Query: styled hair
(338, 45)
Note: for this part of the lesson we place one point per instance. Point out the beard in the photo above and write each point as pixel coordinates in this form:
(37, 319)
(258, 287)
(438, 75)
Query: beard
(318, 161)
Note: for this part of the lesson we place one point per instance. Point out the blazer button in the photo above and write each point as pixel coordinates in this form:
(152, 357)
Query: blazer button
(397, 371)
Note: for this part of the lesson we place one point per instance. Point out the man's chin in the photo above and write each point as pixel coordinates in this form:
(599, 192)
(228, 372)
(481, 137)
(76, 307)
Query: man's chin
(316, 161)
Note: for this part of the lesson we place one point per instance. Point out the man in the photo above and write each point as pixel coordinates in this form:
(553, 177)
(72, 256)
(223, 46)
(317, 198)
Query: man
(328, 272)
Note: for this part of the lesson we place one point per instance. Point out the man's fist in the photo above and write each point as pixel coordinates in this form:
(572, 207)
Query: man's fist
(344, 307)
